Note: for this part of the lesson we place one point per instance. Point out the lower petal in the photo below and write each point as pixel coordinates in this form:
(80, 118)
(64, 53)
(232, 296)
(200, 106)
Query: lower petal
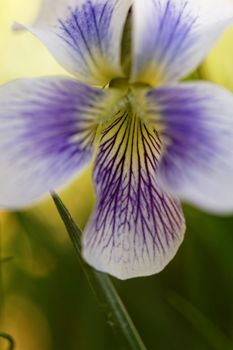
(197, 125)
(47, 130)
(136, 229)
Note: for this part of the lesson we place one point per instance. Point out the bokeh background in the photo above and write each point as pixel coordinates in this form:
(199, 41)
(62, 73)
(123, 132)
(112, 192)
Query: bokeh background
(45, 301)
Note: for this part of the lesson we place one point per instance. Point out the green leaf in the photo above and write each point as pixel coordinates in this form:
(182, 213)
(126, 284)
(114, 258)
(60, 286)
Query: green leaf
(213, 336)
(9, 339)
(106, 294)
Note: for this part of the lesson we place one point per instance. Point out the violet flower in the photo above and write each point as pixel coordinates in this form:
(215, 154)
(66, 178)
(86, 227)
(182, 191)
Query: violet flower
(153, 141)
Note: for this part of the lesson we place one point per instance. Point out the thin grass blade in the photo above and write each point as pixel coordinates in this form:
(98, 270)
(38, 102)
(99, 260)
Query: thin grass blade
(106, 294)
(211, 333)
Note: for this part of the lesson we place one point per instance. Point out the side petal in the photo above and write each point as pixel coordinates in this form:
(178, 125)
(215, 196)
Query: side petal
(196, 123)
(84, 36)
(171, 37)
(47, 130)
(136, 229)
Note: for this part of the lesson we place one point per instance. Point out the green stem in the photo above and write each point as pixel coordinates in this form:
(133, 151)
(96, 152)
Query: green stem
(9, 339)
(107, 296)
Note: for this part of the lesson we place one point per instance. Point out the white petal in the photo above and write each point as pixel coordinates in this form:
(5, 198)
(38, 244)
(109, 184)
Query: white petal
(84, 36)
(172, 37)
(196, 123)
(47, 131)
(136, 229)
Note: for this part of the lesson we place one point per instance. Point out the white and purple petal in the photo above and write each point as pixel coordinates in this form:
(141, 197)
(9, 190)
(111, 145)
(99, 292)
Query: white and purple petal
(136, 229)
(171, 37)
(47, 130)
(196, 123)
(84, 36)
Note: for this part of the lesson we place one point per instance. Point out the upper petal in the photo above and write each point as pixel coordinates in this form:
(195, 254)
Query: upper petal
(136, 229)
(171, 37)
(196, 123)
(84, 36)
(47, 130)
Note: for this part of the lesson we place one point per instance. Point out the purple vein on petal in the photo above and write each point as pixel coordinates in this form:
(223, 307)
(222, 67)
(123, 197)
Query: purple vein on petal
(135, 225)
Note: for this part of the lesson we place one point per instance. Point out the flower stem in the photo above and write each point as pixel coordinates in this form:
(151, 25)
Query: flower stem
(106, 294)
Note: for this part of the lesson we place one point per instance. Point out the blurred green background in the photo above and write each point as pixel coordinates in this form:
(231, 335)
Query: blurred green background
(45, 301)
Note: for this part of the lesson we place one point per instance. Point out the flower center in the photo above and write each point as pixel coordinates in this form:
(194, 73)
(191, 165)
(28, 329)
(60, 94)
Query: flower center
(124, 83)
(119, 83)
(131, 96)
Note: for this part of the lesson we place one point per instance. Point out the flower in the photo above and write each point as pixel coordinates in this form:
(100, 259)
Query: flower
(154, 141)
